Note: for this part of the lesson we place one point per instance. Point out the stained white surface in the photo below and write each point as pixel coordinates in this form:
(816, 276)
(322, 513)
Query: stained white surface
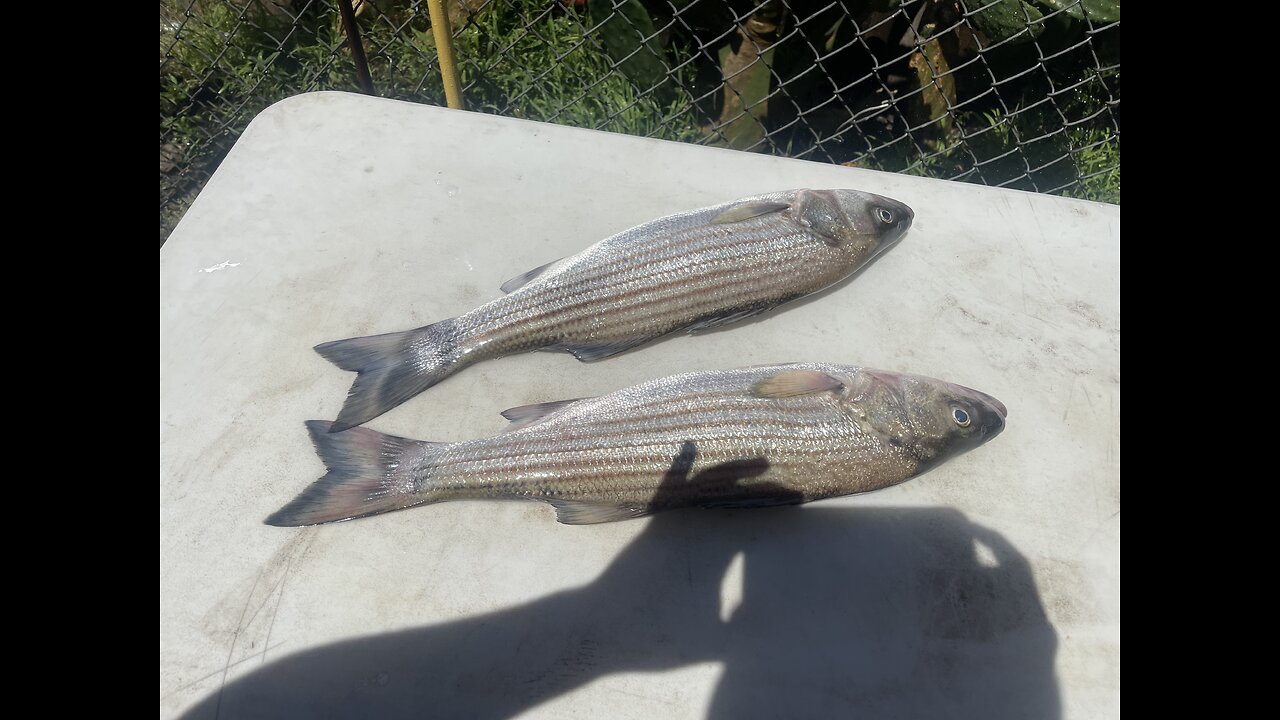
(989, 587)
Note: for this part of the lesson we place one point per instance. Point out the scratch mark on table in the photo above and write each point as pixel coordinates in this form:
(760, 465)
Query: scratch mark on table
(206, 676)
(642, 696)
(226, 667)
(275, 612)
(441, 554)
(1097, 529)
(1022, 271)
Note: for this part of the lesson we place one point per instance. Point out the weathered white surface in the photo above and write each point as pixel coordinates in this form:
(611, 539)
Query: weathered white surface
(988, 588)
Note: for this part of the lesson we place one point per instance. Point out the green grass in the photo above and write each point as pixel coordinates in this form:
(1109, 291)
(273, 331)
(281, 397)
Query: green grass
(227, 65)
(1098, 165)
(533, 59)
(541, 75)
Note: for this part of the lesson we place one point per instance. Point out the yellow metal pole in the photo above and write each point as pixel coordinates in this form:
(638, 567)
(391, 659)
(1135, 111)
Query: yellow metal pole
(444, 50)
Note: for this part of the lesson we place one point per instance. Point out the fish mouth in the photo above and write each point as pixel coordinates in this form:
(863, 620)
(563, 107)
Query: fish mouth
(890, 235)
(905, 215)
(995, 404)
(992, 415)
(986, 401)
(993, 421)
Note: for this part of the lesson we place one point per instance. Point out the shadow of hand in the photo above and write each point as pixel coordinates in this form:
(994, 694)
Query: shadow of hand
(884, 612)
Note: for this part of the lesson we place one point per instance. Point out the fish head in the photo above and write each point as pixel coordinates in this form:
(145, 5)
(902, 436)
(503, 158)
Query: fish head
(860, 223)
(932, 420)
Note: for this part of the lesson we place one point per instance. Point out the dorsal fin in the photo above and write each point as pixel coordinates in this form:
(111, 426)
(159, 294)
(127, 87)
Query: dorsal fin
(790, 383)
(523, 279)
(525, 415)
(746, 211)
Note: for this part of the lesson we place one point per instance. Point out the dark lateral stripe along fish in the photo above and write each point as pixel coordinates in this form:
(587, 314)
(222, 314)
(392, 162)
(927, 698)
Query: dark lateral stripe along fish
(751, 437)
(692, 271)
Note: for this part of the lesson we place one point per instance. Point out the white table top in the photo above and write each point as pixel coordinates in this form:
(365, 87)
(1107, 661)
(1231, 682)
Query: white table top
(989, 587)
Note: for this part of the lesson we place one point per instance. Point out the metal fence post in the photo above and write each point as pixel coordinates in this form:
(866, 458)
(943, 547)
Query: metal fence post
(357, 47)
(1011, 93)
(443, 32)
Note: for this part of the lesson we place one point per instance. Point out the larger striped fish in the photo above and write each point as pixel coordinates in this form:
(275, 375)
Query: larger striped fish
(692, 271)
(759, 436)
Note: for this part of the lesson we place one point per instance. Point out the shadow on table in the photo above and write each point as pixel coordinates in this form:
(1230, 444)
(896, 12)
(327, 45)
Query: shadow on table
(875, 612)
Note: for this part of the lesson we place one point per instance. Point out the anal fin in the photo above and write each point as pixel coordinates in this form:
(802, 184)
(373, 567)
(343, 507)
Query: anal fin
(578, 512)
(588, 352)
(746, 211)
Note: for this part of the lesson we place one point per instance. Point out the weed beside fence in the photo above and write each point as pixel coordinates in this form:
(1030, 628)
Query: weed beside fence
(1013, 93)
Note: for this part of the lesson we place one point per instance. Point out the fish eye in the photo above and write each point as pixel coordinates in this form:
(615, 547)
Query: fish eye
(885, 215)
(961, 416)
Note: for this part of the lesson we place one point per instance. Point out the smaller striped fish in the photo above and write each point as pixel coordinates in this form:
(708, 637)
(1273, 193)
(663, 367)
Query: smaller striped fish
(693, 271)
(773, 435)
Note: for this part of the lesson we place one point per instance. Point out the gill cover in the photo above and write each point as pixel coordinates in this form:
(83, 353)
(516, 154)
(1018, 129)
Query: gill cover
(820, 212)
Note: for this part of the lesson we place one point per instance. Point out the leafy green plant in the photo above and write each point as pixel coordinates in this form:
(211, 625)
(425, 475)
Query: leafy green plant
(1097, 161)
(222, 63)
(1021, 93)
(562, 72)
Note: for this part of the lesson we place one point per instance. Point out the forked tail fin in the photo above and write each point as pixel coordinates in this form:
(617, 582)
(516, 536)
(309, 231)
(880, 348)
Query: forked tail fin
(369, 473)
(392, 368)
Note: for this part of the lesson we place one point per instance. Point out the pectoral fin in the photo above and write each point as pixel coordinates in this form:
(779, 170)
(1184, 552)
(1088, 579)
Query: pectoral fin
(791, 383)
(746, 211)
(733, 315)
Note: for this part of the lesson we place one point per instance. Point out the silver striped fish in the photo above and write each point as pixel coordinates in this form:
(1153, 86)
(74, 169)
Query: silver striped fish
(751, 437)
(693, 271)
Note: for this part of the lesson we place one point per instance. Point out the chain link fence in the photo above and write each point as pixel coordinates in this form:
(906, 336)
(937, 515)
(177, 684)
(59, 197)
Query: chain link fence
(1013, 93)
